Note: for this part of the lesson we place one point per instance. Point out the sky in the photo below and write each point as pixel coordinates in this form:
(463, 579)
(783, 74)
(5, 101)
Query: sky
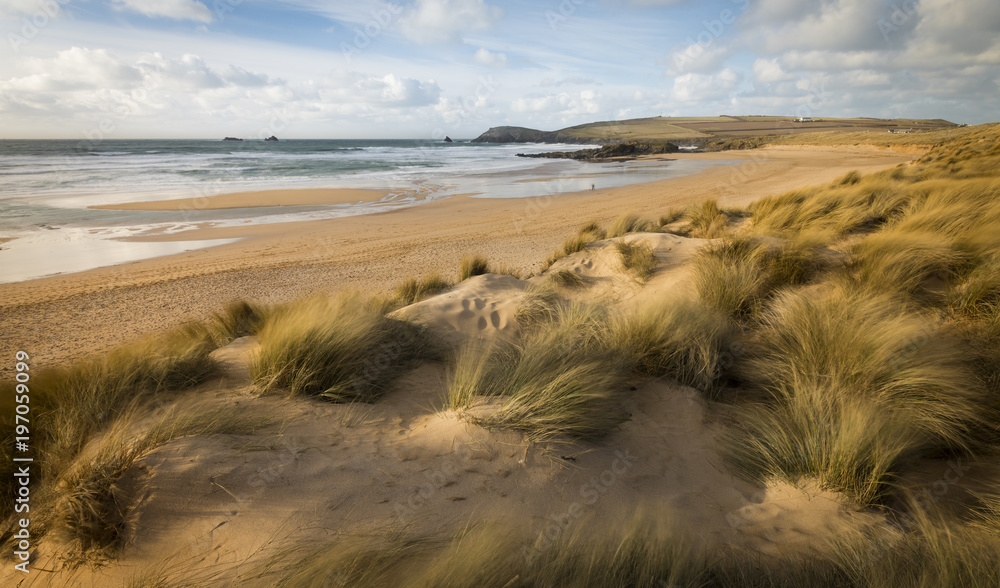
(121, 69)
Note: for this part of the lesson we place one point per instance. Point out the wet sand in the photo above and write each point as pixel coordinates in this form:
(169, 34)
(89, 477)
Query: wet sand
(257, 199)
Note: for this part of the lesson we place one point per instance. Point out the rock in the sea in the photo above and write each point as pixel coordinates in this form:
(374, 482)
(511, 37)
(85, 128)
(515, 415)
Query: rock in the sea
(232, 139)
(271, 138)
(447, 139)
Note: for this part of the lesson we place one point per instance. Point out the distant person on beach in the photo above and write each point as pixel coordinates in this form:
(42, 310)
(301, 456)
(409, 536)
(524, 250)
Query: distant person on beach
(592, 187)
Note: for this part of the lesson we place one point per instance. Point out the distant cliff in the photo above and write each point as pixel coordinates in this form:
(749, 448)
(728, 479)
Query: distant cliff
(526, 135)
(724, 131)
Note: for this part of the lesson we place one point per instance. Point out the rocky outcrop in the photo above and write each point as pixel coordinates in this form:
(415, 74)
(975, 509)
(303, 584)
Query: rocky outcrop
(447, 139)
(232, 139)
(271, 138)
(511, 135)
(526, 135)
(627, 150)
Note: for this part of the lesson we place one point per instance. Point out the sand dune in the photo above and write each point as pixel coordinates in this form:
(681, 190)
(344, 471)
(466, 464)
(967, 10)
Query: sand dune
(480, 306)
(214, 510)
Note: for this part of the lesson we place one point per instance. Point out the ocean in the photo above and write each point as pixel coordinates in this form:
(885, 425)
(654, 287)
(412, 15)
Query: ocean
(47, 187)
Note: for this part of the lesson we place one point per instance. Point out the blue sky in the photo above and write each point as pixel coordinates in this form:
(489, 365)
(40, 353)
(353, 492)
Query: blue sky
(426, 68)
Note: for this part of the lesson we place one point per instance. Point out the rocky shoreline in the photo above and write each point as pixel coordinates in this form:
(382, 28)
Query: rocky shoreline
(616, 151)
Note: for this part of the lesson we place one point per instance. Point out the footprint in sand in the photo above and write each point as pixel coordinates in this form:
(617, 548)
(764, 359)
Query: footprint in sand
(466, 312)
(495, 319)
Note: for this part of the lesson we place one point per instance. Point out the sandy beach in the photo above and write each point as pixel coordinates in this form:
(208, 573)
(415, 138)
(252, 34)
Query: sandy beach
(257, 199)
(64, 317)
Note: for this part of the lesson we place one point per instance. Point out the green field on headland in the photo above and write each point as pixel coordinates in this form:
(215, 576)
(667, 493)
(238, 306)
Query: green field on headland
(703, 130)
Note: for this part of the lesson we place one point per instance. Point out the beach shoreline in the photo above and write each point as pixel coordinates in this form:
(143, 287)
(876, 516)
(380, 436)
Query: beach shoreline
(63, 317)
(259, 199)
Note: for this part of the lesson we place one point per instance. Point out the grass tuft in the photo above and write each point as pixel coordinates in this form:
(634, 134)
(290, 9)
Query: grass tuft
(738, 274)
(674, 338)
(238, 319)
(626, 223)
(637, 259)
(413, 290)
(594, 230)
(93, 505)
(578, 243)
(473, 265)
(342, 349)
(558, 380)
(857, 385)
(672, 215)
(567, 279)
(903, 262)
(707, 221)
(849, 179)
(977, 296)
(587, 234)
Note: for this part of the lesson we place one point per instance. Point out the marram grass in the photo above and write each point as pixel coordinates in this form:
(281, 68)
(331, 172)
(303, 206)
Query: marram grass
(737, 275)
(559, 379)
(628, 222)
(69, 405)
(473, 265)
(342, 349)
(637, 259)
(857, 385)
(90, 505)
(707, 220)
(414, 290)
(674, 338)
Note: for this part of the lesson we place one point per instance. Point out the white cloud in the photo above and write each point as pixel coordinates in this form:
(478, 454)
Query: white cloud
(190, 72)
(698, 58)
(175, 9)
(706, 88)
(967, 27)
(863, 78)
(29, 7)
(435, 21)
(360, 92)
(564, 103)
(485, 57)
(942, 59)
(654, 2)
(75, 69)
(775, 26)
(833, 60)
(570, 81)
(391, 90)
(238, 76)
(871, 57)
(769, 70)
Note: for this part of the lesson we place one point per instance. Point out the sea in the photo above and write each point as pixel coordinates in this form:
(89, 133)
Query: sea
(48, 186)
